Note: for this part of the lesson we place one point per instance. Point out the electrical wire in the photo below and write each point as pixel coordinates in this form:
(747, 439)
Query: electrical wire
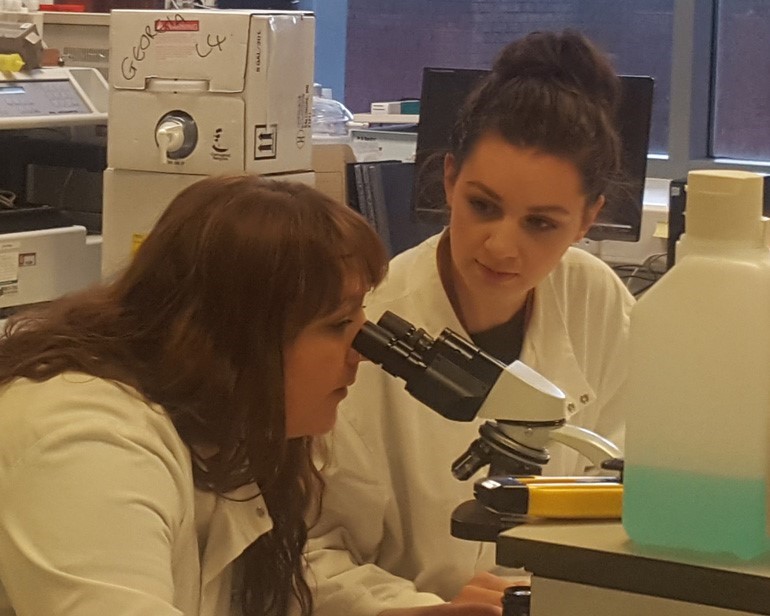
(7, 200)
(638, 278)
(64, 187)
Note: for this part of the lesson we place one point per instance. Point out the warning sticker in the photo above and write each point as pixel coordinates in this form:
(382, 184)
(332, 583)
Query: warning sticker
(177, 25)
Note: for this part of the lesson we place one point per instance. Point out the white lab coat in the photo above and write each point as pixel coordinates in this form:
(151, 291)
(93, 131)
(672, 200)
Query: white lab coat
(390, 493)
(98, 513)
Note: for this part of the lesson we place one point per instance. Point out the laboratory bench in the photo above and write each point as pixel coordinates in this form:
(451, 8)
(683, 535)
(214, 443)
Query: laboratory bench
(592, 568)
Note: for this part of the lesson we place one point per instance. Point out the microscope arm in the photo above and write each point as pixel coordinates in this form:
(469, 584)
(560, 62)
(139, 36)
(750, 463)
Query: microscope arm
(594, 447)
(510, 448)
(531, 409)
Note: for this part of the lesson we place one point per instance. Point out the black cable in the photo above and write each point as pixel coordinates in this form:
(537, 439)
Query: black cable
(649, 272)
(7, 200)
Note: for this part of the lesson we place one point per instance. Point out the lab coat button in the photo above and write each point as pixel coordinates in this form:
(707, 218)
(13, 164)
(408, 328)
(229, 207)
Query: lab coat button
(260, 511)
(571, 407)
(585, 398)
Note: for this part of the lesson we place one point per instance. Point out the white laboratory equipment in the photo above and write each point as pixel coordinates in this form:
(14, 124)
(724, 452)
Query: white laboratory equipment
(52, 97)
(82, 39)
(196, 93)
(42, 254)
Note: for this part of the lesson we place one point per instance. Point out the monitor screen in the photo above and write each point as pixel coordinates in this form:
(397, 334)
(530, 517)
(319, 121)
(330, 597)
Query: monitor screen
(442, 96)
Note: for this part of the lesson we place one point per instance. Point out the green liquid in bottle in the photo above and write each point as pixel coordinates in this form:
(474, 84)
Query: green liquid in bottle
(706, 513)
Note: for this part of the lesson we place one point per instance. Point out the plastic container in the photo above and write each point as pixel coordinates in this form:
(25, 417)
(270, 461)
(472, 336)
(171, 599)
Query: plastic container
(698, 395)
(330, 117)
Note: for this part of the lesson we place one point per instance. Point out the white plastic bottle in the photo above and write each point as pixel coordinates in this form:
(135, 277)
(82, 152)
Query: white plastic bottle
(698, 396)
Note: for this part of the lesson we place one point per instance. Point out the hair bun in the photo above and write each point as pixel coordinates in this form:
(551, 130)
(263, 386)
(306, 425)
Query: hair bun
(567, 58)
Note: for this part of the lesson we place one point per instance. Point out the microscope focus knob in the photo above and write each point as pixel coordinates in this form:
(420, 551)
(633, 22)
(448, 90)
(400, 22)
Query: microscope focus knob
(477, 456)
(499, 446)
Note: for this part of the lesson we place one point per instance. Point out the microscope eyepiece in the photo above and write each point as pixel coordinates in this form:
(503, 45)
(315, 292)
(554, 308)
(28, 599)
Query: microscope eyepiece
(417, 340)
(447, 374)
(380, 346)
(398, 327)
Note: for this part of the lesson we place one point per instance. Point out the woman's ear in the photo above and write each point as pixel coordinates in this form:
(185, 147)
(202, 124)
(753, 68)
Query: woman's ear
(589, 216)
(450, 176)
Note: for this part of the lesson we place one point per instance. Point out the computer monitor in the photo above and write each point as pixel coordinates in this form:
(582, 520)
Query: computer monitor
(443, 92)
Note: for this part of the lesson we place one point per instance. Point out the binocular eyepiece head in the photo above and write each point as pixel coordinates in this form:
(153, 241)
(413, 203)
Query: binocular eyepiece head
(449, 374)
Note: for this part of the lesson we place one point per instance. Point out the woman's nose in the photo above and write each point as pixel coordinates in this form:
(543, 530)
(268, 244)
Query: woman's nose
(503, 240)
(354, 357)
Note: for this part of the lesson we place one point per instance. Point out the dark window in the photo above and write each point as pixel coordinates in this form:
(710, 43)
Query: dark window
(382, 66)
(741, 122)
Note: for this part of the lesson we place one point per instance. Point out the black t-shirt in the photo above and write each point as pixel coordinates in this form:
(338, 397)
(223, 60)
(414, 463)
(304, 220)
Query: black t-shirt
(504, 341)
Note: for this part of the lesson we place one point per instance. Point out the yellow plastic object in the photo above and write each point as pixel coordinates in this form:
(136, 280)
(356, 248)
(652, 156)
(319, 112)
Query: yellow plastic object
(575, 500)
(11, 62)
(547, 479)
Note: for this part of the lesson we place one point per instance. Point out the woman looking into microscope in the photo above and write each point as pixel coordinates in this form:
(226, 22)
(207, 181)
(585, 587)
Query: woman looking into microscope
(533, 154)
(156, 432)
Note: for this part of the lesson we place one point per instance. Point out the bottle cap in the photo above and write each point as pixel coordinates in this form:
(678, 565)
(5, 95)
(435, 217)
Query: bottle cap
(725, 205)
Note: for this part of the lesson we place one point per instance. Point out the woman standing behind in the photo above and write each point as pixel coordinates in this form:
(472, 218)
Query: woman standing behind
(533, 154)
(155, 432)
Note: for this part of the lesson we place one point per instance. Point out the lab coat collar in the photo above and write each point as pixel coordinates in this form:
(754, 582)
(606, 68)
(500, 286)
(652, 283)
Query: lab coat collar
(239, 518)
(550, 352)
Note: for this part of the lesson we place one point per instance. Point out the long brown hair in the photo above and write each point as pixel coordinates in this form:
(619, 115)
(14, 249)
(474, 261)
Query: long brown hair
(233, 270)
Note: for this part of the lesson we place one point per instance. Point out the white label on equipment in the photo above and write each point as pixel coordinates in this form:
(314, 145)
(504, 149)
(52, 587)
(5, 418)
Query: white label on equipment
(9, 267)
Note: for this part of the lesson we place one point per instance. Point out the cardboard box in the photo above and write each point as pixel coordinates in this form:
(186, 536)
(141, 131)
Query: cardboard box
(240, 80)
(330, 162)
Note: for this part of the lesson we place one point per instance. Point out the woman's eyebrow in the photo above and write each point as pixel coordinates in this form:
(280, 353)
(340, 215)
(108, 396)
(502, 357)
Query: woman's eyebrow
(550, 209)
(485, 189)
(538, 209)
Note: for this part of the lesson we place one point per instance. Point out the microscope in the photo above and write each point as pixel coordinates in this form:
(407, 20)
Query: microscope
(524, 412)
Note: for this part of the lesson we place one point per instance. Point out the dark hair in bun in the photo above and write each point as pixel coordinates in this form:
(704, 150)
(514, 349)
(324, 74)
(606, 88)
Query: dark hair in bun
(555, 92)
